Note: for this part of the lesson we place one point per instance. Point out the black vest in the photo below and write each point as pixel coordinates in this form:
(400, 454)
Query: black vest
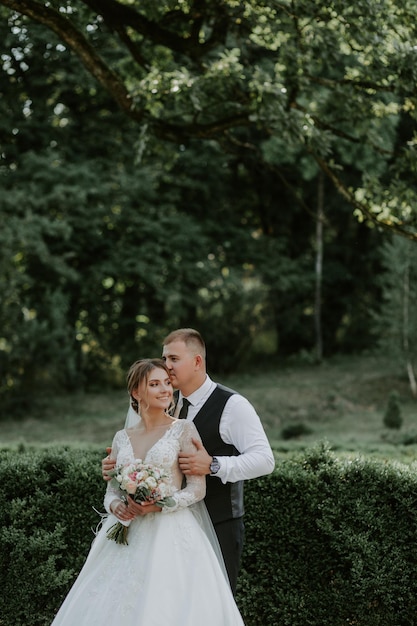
(223, 501)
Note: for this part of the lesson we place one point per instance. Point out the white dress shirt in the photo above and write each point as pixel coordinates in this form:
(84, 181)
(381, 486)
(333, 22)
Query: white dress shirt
(241, 427)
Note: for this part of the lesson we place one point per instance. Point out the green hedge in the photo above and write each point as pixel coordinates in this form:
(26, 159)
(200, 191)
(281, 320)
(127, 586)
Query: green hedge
(46, 515)
(329, 542)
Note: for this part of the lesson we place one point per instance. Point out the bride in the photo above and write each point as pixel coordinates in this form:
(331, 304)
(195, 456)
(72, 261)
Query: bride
(171, 572)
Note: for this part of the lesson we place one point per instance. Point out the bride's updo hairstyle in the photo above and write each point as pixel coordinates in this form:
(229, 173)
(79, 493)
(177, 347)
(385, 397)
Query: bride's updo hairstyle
(138, 373)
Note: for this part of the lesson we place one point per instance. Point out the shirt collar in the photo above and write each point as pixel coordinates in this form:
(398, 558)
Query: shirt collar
(200, 393)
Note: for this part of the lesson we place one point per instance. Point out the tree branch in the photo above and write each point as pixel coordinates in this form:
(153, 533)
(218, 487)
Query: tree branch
(388, 226)
(117, 15)
(339, 133)
(69, 34)
(113, 84)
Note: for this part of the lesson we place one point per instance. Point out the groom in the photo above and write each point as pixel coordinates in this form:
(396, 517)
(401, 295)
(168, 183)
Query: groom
(234, 446)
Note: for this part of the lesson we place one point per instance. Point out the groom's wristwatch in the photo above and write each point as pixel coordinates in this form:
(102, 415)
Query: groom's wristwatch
(214, 466)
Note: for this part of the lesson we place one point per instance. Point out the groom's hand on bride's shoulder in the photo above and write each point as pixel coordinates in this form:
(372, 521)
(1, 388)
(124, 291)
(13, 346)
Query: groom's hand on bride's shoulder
(107, 464)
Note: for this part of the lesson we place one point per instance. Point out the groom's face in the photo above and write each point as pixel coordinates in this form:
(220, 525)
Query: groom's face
(181, 363)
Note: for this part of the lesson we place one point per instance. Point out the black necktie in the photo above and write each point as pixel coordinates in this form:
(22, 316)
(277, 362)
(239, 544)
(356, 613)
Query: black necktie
(184, 409)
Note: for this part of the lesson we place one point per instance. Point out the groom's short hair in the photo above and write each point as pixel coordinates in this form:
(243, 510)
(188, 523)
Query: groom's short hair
(191, 337)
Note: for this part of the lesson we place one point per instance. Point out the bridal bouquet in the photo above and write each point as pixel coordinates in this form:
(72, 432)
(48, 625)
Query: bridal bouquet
(142, 482)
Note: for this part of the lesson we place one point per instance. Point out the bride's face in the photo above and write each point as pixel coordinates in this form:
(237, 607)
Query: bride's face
(156, 392)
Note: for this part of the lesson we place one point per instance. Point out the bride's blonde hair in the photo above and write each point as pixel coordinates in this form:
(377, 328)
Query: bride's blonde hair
(138, 373)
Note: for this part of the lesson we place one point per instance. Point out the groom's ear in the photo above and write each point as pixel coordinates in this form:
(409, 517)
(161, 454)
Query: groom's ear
(199, 361)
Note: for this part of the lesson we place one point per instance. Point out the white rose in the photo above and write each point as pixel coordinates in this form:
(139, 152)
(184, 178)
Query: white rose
(151, 482)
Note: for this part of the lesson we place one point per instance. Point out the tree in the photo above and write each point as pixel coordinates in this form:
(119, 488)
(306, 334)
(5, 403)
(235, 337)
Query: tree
(128, 132)
(398, 313)
(319, 269)
(323, 77)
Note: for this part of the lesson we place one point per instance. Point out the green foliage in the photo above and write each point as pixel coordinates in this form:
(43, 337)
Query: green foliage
(392, 415)
(331, 544)
(46, 515)
(320, 533)
(166, 175)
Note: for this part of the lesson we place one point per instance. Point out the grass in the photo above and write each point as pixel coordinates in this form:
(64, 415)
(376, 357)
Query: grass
(342, 401)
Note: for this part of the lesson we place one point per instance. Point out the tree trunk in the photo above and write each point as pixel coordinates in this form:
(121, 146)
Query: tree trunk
(319, 268)
(406, 326)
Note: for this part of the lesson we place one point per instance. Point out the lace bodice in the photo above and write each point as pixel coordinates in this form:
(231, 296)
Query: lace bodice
(164, 454)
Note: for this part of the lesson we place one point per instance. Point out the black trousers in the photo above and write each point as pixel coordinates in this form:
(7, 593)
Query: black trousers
(231, 535)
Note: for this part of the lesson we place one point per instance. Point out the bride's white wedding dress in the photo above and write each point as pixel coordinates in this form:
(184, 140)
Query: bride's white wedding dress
(168, 574)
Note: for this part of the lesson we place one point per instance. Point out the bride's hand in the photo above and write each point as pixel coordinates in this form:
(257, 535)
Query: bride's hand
(142, 508)
(121, 511)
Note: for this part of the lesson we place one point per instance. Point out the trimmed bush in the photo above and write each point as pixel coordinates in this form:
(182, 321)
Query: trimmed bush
(295, 430)
(46, 501)
(329, 542)
(392, 416)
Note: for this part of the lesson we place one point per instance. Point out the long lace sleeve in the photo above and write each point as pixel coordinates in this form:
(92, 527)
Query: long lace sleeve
(194, 489)
(112, 493)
